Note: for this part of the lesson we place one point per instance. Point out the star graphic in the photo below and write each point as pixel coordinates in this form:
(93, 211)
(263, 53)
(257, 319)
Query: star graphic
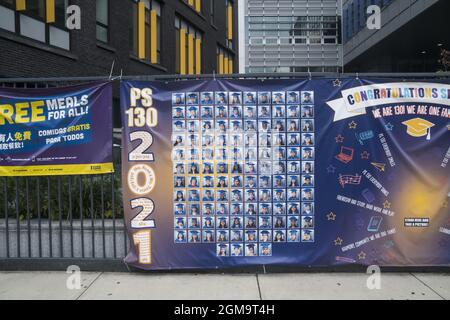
(331, 169)
(387, 205)
(338, 242)
(339, 139)
(331, 216)
(352, 125)
(337, 83)
(389, 126)
(365, 155)
(362, 255)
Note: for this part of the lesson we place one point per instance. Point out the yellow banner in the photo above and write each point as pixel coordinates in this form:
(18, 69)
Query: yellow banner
(56, 170)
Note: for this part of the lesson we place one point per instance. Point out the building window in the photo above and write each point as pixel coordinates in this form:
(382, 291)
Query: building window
(40, 20)
(102, 12)
(212, 10)
(188, 56)
(194, 4)
(146, 30)
(225, 61)
(229, 23)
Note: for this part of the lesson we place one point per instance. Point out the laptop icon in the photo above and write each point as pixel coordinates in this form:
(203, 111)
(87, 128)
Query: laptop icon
(346, 155)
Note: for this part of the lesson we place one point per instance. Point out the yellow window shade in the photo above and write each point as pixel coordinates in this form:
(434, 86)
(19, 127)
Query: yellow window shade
(198, 56)
(198, 5)
(153, 37)
(230, 66)
(220, 63)
(182, 51)
(225, 66)
(191, 53)
(21, 5)
(141, 30)
(191, 2)
(49, 11)
(230, 22)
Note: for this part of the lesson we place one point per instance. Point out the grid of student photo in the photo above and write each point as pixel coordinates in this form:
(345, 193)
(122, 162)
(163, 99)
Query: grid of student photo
(243, 165)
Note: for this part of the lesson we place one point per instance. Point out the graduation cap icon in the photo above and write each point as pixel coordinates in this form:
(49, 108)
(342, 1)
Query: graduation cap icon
(265, 233)
(419, 127)
(293, 219)
(279, 205)
(293, 94)
(250, 245)
(237, 246)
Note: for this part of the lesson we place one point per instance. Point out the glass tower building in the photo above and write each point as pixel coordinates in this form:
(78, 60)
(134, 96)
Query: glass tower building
(290, 36)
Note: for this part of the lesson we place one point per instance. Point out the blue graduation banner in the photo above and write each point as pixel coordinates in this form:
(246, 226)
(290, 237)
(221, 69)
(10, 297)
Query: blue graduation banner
(223, 173)
(56, 131)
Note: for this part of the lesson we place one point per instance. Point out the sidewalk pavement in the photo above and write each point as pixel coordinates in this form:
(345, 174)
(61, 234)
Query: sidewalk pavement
(52, 285)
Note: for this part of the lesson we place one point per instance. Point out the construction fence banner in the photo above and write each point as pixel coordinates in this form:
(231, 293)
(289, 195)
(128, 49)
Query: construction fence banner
(56, 131)
(224, 173)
